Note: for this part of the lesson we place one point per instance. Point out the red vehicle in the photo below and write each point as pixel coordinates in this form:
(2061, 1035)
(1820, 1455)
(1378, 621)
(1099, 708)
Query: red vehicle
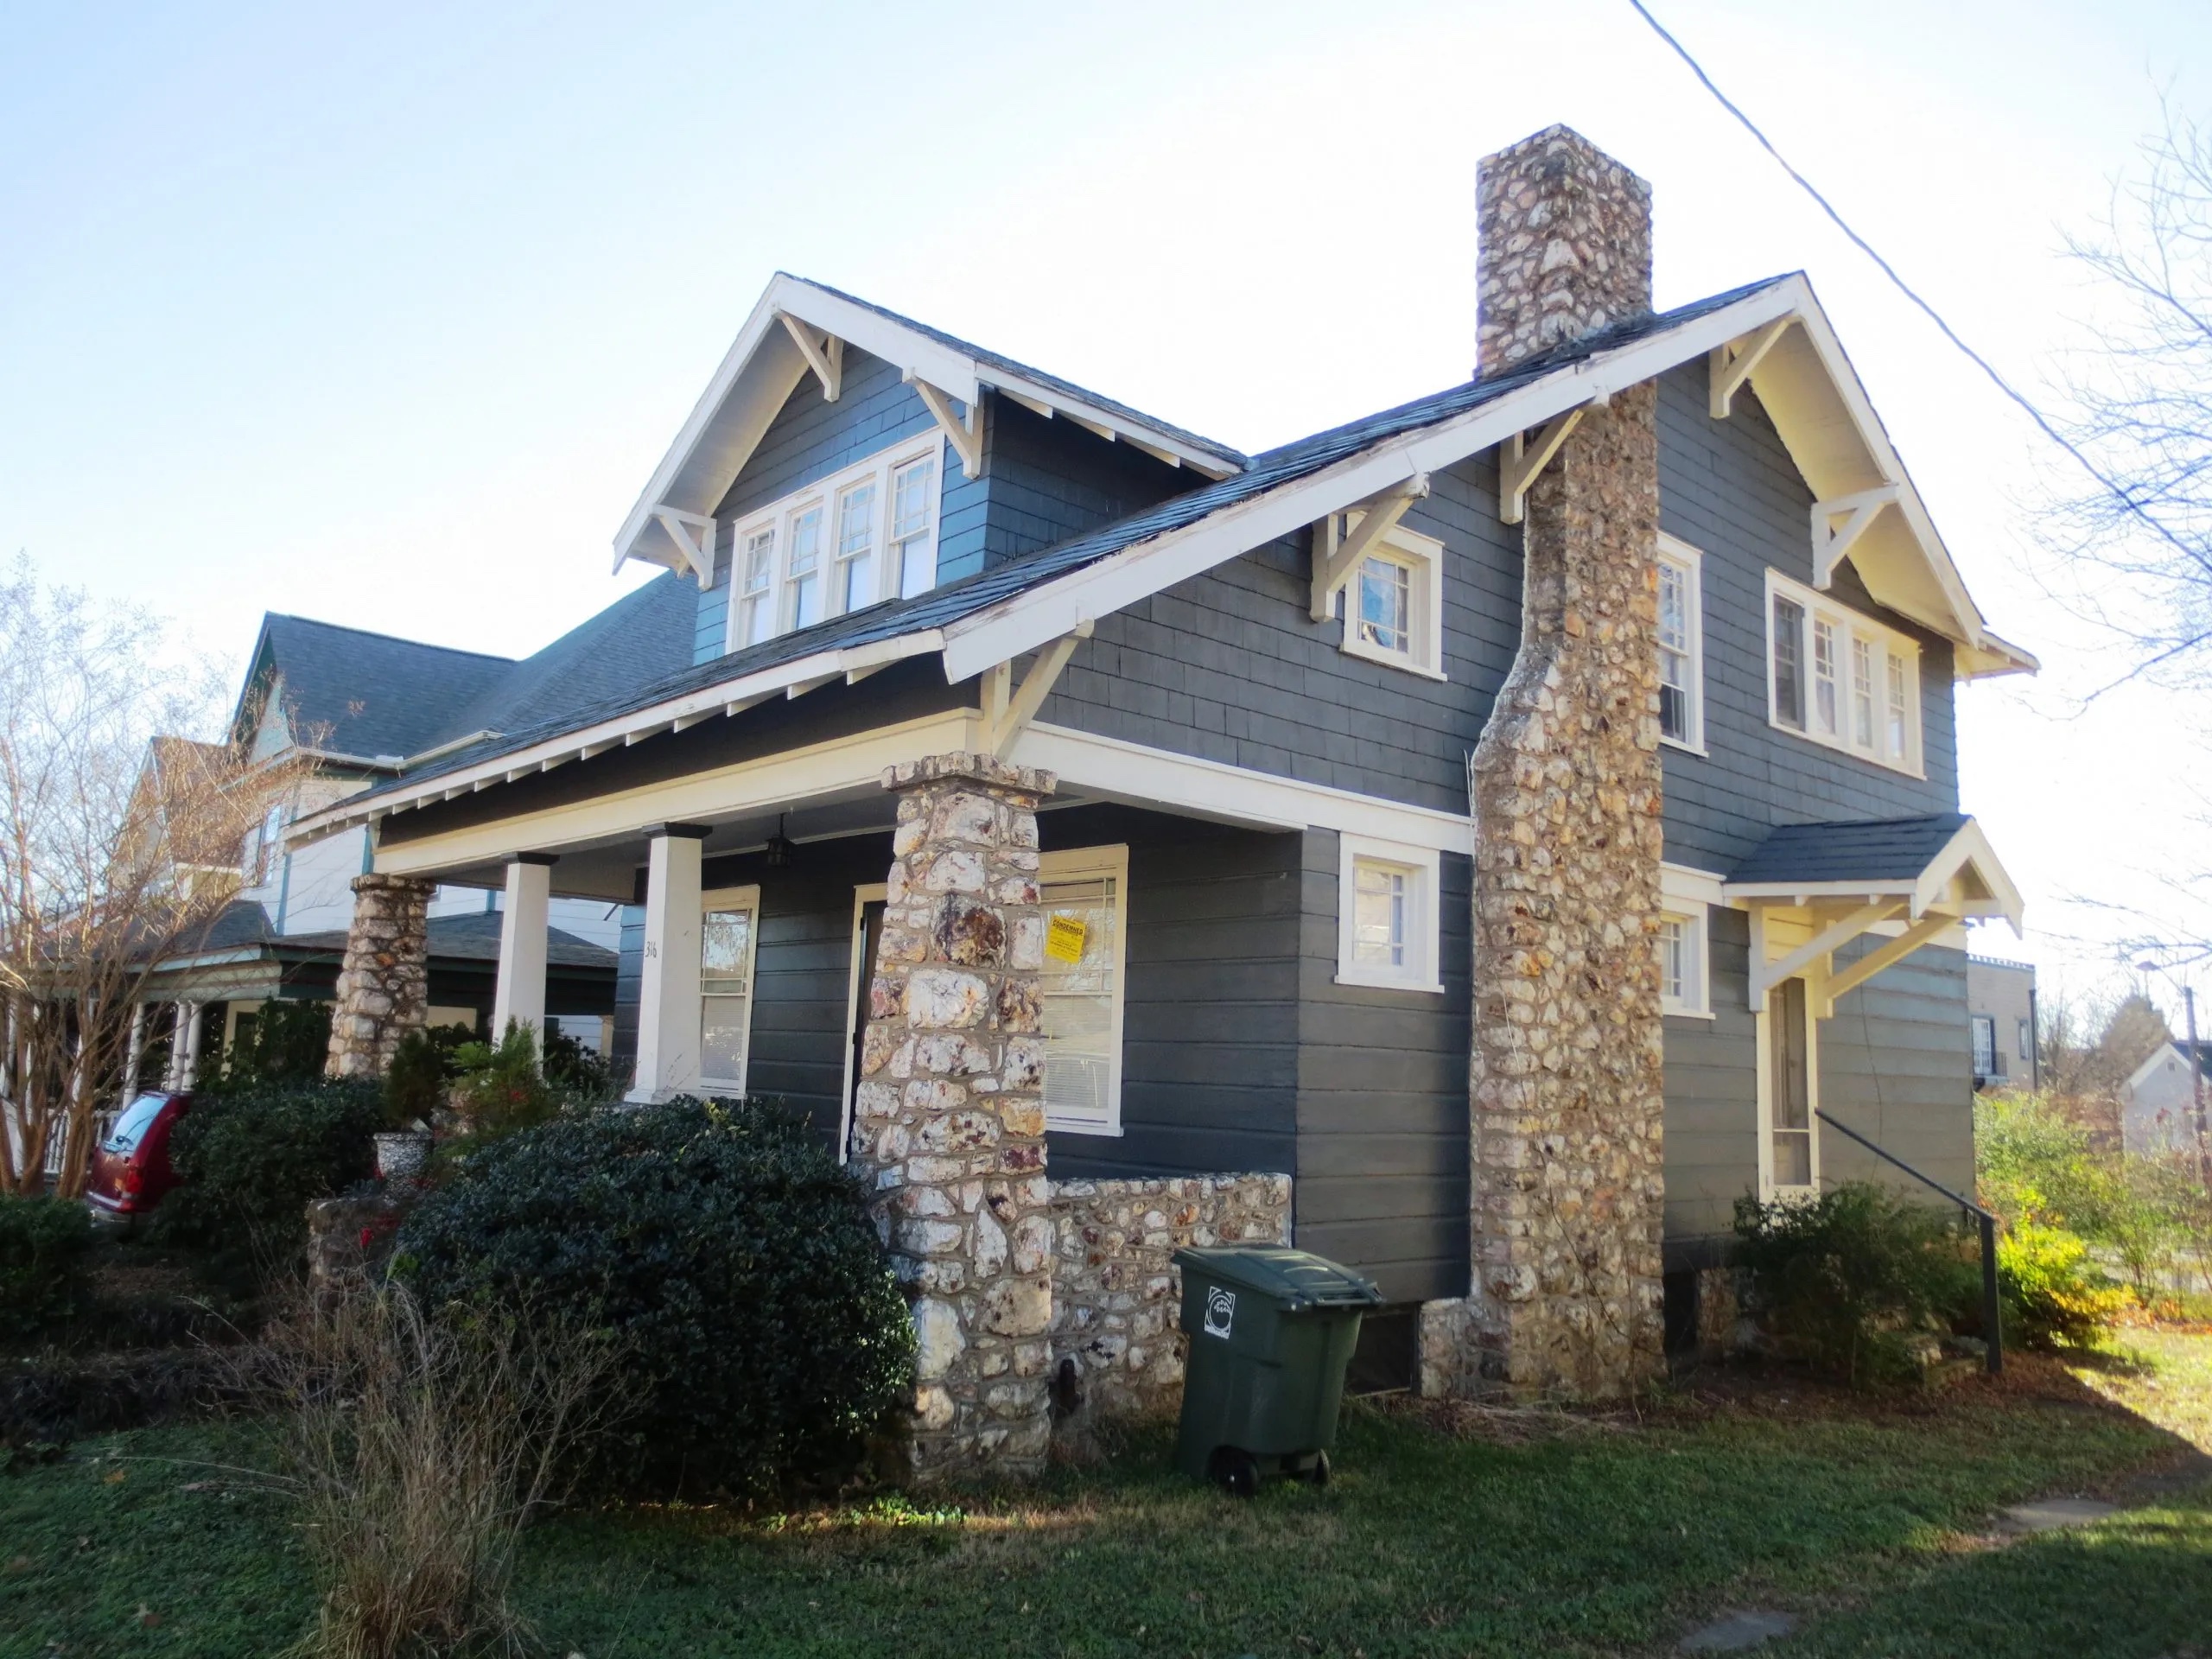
(130, 1169)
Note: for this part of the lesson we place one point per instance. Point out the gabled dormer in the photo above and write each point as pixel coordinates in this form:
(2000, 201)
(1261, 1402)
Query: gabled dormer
(844, 456)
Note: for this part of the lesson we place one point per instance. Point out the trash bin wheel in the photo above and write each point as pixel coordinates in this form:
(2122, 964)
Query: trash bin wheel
(1237, 1471)
(1316, 1473)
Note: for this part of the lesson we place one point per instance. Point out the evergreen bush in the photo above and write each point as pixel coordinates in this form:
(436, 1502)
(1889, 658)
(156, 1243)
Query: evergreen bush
(1846, 1279)
(42, 1246)
(252, 1157)
(761, 1336)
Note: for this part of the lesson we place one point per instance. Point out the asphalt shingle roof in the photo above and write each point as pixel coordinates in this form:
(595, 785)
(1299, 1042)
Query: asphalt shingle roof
(474, 937)
(1880, 849)
(351, 692)
(1051, 382)
(957, 599)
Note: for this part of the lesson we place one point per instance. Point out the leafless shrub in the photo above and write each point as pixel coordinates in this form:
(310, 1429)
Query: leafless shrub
(418, 1450)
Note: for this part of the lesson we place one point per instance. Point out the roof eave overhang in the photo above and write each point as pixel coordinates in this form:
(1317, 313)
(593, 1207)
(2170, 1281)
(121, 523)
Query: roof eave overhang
(789, 679)
(763, 367)
(1965, 878)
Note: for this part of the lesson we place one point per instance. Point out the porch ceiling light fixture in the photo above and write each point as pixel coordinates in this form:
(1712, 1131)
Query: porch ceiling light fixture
(780, 846)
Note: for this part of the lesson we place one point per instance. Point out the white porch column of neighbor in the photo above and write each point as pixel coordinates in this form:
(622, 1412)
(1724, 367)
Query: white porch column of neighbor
(1567, 1184)
(668, 980)
(520, 993)
(134, 1054)
(180, 1024)
(948, 1120)
(188, 1068)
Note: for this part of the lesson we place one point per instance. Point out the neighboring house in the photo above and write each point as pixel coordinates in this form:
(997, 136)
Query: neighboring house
(1257, 681)
(357, 708)
(2001, 1023)
(2158, 1104)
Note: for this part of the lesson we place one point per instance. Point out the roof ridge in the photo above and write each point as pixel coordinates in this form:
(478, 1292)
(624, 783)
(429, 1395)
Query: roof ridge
(376, 633)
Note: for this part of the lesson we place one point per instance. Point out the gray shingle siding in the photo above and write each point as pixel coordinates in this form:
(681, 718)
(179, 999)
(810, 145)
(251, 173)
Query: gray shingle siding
(1382, 1164)
(811, 439)
(1230, 666)
(1730, 489)
(1049, 479)
(1210, 1048)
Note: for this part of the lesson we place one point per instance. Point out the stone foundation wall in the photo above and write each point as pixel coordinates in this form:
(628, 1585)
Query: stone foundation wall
(384, 987)
(1115, 1350)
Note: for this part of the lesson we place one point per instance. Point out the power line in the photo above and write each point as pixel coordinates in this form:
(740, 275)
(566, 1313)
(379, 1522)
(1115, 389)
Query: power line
(2127, 498)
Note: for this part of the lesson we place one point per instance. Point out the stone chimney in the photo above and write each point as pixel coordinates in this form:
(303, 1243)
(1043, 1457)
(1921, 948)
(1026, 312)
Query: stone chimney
(1564, 246)
(1564, 1072)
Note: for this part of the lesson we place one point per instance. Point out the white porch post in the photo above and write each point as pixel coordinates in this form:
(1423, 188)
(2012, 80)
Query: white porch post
(179, 1029)
(136, 1053)
(521, 991)
(668, 985)
(188, 1073)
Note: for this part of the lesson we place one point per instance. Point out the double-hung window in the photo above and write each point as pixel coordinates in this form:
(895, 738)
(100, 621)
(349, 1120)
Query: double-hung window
(1388, 915)
(1685, 899)
(802, 570)
(756, 605)
(729, 922)
(913, 523)
(856, 538)
(1084, 895)
(1840, 678)
(1681, 645)
(1985, 1045)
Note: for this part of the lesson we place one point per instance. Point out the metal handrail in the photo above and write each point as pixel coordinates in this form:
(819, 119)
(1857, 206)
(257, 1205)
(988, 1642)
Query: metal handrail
(1993, 1331)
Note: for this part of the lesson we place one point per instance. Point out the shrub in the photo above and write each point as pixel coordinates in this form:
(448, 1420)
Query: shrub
(1845, 1280)
(418, 1452)
(500, 1089)
(415, 1084)
(251, 1158)
(43, 1245)
(760, 1333)
(2052, 1296)
(288, 1042)
(570, 1066)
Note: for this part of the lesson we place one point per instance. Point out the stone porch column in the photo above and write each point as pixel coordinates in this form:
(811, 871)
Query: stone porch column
(668, 979)
(949, 1121)
(1565, 1063)
(519, 994)
(384, 988)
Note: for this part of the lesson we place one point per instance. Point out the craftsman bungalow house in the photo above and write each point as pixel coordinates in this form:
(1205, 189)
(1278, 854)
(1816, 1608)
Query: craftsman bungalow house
(1258, 681)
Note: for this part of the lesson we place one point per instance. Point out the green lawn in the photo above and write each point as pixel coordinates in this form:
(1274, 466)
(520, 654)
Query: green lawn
(1604, 1541)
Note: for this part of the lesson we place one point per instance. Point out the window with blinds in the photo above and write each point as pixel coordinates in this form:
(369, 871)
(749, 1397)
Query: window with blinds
(1082, 895)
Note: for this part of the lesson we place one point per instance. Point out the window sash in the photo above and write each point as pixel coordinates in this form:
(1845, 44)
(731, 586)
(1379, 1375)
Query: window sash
(1789, 660)
(911, 517)
(1825, 713)
(1862, 691)
(757, 616)
(855, 580)
(1082, 1000)
(1984, 1045)
(1382, 919)
(728, 937)
(1386, 605)
(803, 569)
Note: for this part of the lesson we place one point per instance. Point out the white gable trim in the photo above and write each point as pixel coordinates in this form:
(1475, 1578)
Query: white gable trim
(766, 364)
(1962, 880)
(2165, 1051)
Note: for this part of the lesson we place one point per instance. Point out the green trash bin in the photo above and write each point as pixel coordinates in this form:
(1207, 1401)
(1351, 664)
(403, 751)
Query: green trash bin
(1271, 1332)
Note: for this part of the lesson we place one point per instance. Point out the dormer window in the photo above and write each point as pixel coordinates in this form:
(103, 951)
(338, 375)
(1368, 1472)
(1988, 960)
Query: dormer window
(843, 543)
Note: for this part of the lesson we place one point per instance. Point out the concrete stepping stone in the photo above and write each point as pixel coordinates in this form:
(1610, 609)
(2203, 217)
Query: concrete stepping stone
(2050, 1514)
(1733, 1632)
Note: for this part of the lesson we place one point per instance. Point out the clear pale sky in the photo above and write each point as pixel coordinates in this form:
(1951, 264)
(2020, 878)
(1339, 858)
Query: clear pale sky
(385, 315)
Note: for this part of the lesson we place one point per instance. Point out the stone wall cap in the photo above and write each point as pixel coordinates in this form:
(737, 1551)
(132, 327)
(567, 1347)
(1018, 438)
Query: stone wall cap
(987, 769)
(379, 881)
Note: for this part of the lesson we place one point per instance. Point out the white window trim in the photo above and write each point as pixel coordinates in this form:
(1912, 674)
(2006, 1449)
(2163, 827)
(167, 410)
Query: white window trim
(1424, 556)
(1424, 864)
(1847, 623)
(1072, 864)
(746, 897)
(1690, 895)
(825, 493)
(1769, 1189)
(1690, 562)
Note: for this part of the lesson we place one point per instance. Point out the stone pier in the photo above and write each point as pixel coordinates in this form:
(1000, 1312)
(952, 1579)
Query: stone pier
(384, 987)
(948, 1120)
(1565, 1069)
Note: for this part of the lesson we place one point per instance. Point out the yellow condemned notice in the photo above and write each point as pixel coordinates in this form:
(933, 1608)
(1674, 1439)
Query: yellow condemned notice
(1064, 939)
